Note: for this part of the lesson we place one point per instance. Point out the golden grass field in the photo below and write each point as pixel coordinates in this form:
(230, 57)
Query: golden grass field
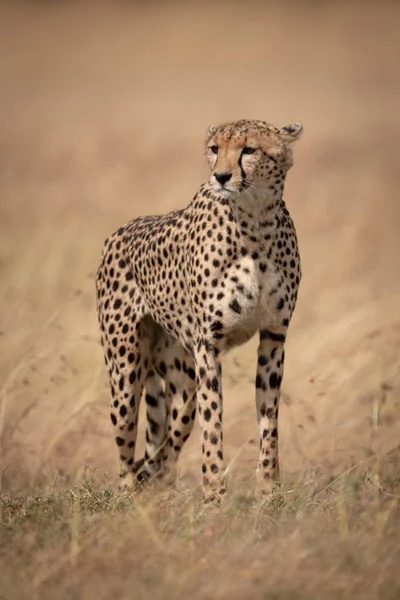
(103, 110)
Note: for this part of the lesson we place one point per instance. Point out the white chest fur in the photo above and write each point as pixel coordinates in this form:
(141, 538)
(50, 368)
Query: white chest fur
(247, 303)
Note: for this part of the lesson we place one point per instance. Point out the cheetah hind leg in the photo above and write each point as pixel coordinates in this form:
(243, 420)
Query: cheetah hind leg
(165, 438)
(152, 464)
(180, 389)
(127, 382)
(171, 411)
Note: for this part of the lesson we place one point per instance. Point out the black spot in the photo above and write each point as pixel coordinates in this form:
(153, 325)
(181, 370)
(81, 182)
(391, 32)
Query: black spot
(207, 414)
(216, 326)
(113, 419)
(235, 306)
(269, 335)
(262, 360)
(259, 382)
(273, 380)
(214, 384)
(120, 441)
(122, 410)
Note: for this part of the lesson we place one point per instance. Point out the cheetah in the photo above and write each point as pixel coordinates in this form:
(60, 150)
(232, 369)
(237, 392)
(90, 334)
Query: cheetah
(176, 291)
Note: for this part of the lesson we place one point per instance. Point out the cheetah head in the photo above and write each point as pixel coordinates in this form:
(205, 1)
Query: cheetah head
(249, 155)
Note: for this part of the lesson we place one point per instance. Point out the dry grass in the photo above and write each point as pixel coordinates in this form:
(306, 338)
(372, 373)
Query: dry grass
(103, 110)
(312, 539)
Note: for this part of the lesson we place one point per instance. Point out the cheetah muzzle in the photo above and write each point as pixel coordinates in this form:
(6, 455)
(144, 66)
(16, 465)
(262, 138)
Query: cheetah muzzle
(176, 291)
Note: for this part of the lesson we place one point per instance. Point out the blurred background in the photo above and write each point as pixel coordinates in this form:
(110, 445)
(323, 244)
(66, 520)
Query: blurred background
(103, 110)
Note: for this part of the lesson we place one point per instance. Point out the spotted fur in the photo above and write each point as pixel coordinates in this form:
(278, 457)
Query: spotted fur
(175, 291)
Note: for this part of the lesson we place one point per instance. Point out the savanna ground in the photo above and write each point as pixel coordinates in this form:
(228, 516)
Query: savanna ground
(103, 110)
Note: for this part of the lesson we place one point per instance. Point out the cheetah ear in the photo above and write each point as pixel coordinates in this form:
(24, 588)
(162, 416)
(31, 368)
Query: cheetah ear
(211, 131)
(292, 132)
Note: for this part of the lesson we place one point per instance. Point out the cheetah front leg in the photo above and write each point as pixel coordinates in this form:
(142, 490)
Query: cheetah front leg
(268, 383)
(209, 402)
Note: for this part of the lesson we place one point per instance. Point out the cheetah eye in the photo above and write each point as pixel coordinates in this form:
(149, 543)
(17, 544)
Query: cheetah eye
(214, 149)
(248, 150)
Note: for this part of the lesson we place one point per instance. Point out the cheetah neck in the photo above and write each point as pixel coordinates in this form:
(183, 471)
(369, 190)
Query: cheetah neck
(256, 213)
(258, 204)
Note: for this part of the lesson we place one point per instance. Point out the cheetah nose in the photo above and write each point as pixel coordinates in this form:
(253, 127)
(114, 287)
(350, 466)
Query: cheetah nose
(222, 177)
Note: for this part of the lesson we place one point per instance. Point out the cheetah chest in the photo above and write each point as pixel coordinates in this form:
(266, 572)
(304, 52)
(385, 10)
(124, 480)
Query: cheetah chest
(248, 300)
